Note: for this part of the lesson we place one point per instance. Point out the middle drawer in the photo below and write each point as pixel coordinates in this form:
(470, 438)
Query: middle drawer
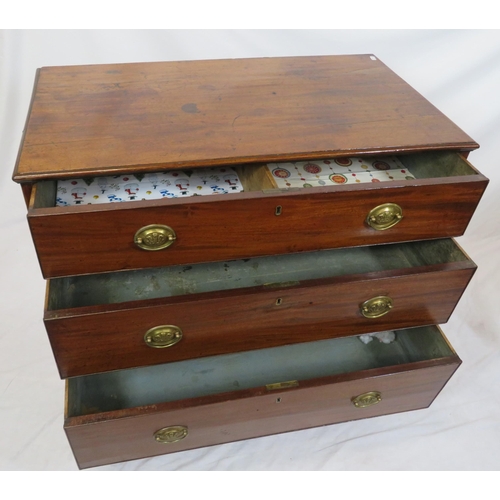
(104, 322)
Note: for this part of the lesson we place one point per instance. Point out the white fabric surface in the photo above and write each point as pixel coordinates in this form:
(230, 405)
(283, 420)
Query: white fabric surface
(458, 71)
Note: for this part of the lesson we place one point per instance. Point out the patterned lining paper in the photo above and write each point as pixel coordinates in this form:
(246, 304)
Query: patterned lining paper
(223, 180)
(338, 171)
(173, 184)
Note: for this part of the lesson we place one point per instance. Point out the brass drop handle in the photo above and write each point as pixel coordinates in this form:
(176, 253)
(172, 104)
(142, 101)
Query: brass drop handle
(384, 216)
(163, 336)
(376, 307)
(171, 434)
(367, 399)
(154, 237)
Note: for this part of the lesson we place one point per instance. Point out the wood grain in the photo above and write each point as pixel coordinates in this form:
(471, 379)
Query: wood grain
(103, 338)
(146, 117)
(128, 434)
(99, 238)
(103, 119)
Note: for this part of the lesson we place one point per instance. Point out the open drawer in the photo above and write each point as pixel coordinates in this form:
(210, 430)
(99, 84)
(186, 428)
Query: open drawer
(113, 321)
(262, 220)
(145, 412)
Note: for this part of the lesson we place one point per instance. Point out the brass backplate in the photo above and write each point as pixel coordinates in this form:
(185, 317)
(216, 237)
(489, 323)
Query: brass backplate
(163, 336)
(171, 434)
(384, 216)
(367, 399)
(376, 307)
(154, 237)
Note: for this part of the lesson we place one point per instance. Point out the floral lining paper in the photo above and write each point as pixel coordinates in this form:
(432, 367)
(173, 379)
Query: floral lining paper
(338, 171)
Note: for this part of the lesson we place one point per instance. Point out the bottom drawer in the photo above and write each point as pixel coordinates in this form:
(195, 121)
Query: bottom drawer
(137, 413)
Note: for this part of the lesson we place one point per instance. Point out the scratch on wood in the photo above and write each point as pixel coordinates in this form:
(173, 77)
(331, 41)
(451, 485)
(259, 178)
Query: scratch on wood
(232, 125)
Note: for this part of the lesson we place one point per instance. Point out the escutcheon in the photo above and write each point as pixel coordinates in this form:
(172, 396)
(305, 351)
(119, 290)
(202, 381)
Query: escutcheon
(171, 434)
(384, 216)
(154, 237)
(367, 399)
(376, 307)
(163, 336)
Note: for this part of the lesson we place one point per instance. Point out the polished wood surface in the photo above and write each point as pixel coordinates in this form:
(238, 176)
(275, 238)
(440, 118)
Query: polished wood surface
(120, 435)
(99, 238)
(102, 338)
(103, 119)
(146, 117)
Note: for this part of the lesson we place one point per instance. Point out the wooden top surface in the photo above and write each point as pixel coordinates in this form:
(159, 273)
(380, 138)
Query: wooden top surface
(103, 119)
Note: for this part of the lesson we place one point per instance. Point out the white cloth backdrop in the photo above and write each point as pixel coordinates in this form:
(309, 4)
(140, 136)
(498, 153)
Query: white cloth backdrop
(458, 71)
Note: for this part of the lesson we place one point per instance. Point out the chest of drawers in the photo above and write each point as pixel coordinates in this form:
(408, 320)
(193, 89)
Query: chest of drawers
(192, 321)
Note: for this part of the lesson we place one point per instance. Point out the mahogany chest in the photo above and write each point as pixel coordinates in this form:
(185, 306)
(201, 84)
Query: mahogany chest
(221, 240)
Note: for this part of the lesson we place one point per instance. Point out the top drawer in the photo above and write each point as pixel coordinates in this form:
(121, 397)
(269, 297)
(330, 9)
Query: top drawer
(262, 220)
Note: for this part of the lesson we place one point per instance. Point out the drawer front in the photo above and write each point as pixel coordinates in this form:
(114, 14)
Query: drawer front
(94, 239)
(129, 434)
(98, 339)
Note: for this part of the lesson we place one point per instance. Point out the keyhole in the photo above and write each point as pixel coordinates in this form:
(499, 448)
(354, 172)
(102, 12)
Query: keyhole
(278, 400)
(279, 301)
(278, 210)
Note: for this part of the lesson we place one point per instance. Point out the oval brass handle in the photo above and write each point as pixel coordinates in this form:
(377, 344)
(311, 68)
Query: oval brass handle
(384, 216)
(171, 434)
(376, 307)
(154, 237)
(366, 399)
(163, 336)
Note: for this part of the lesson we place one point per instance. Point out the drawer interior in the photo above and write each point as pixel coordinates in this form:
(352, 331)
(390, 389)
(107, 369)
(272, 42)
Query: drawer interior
(288, 269)
(233, 372)
(256, 177)
(426, 165)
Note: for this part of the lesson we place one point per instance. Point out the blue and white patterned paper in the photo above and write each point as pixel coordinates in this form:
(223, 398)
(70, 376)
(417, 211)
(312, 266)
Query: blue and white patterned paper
(149, 186)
